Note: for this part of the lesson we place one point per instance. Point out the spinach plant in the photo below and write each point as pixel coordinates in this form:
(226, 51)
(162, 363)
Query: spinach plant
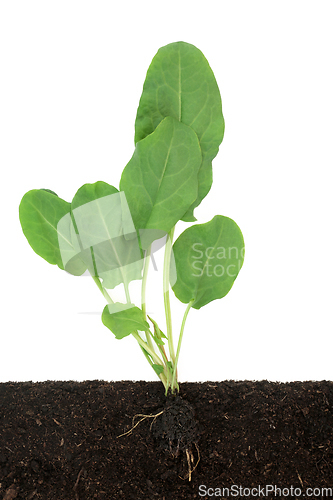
(109, 232)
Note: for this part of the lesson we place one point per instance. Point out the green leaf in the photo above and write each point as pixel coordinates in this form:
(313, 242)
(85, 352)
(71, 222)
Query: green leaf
(40, 212)
(85, 194)
(158, 368)
(121, 263)
(94, 232)
(108, 241)
(158, 333)
(160, 181)
(181, 84)
(123, 319)
(205, 180)
(208, 259)
(158, 340)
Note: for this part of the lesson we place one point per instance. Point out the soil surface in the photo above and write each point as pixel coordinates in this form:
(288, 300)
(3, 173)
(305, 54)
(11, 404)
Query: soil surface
(59, 440)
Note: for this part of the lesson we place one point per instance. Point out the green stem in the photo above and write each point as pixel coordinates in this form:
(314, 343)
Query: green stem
(161, 375)
(102, 289)
(173, 382)
(160, 347)
(166, 279)
(164, 377)
(147, 350)
(143, 293)
(150, 351)
(149, 341)
(144, 282)
(144, 347)
(128, 298)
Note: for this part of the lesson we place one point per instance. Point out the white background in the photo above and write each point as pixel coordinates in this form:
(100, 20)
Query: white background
(71, 78)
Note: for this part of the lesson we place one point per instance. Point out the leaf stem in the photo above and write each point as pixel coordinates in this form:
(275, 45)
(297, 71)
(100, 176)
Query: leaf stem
(143, 293)
(166, 283)
(147, 348)
(144, 281)
(160, 347)
(161, 375)
(102, 289)
(173, 382)
(150, 351)
(128, 298)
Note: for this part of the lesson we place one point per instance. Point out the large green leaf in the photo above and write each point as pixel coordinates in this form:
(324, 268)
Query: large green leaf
(108, 240)
(208, 259)
(123, 319)
(181, 84)
(94, 232)
(77, 258)
(160, 181)
(40, 212)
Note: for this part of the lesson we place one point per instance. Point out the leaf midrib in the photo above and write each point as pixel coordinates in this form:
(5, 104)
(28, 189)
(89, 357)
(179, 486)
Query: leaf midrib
(111, 243)
(179, 87)
(161, 178)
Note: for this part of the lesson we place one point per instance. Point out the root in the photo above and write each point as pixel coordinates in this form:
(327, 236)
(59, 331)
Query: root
(141, 420)
(77, 484)
(190, 459)
(176, 432)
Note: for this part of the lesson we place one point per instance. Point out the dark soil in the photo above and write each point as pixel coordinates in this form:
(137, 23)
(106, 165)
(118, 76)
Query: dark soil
(59, 440)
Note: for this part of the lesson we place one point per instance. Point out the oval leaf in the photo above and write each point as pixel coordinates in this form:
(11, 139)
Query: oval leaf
(40, 211)
(160, 181)
(208, 259)
(123, 319)
(108, 241)
(181, 84)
